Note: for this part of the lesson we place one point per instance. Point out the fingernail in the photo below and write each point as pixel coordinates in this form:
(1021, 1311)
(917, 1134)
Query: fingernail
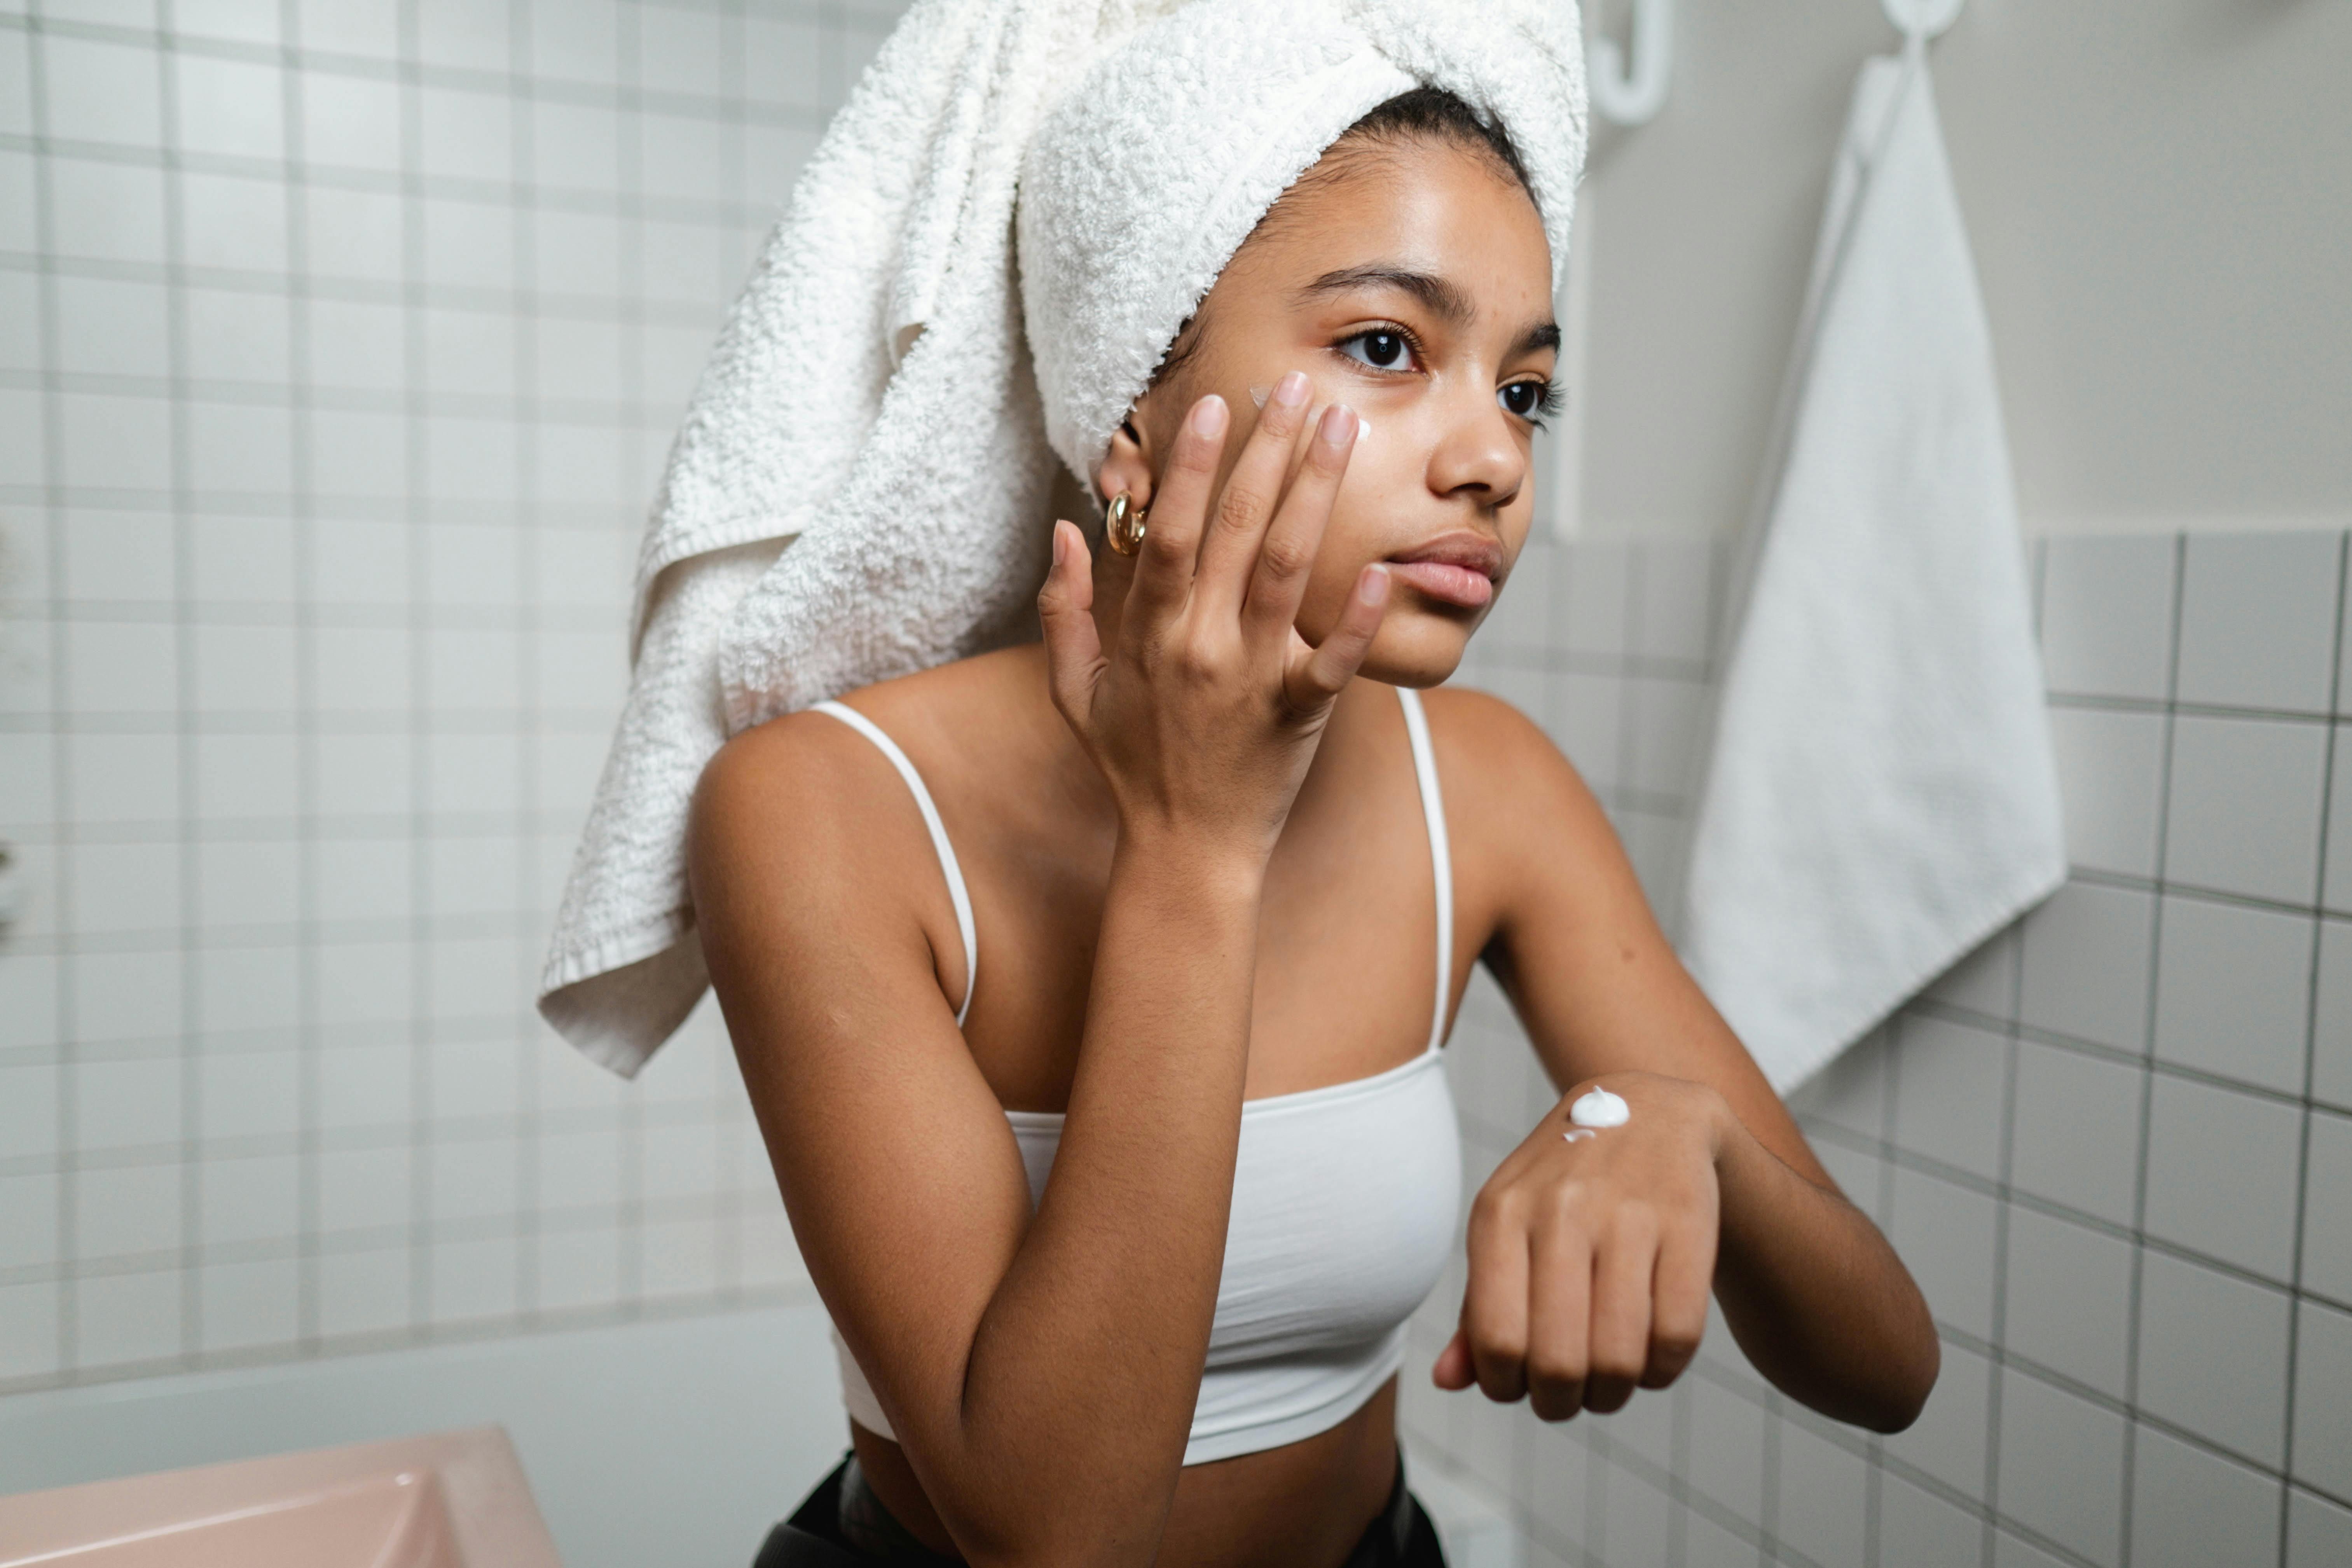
(1291, 390)
(1373, 585)
(1209, 415)
(1338, 423)
(1061, 550)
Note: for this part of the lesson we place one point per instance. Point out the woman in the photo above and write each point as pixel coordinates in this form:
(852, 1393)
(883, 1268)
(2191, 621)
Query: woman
(1208, 836)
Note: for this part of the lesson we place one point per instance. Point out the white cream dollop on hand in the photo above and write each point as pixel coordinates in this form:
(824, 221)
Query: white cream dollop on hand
(1599, 1108)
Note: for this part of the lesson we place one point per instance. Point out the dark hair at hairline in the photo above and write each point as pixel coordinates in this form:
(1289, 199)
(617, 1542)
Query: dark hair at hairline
(1424, 113)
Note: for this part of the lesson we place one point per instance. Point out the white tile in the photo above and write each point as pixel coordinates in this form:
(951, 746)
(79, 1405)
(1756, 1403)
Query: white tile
(358, 344)
(250, 1094)
(1948, 1093)
(1634, 1518)
(121, 667)
(116, 443)
(2221, 1175)
(470, 245)
(465, 134)
(250, 1305)
(578, 1267)
(353, 233)
(230, 107)
(256, 1200)
(126, 995)
(684, 156)
(471, 461)
(246, 777)
(107, 327)
(234, 222)
(774, 157)
(2062, 1467)
(238, 336)
(20, 317)
(365, 1085)
(2191, 1508)
(473, 1280)
(121, 779)
(780, 60)
(119, 555)
(362, 669)
(1825, 1500)
(364, 1189)
(468, 34)
(235, 19)
(29, 1331)
(368, 27)
(1678, 607)
(2326, 1217)
(1592, 586)
(240, 448)
(28, 1221)
(1917, 1529)
(2110, 775)
(473, 772)
(681, 51)
(244, 670)
(356, 562)
(685, 264)
(672, 363)
(2077, 1139)
(126, 1104)
(2068, 1300)
(363, 878)
(25, 463)
(247, 989)
(138, 13)
(681, 1258)
(16, 86)
(359, 454)
(576, 254)
(2233, 991)
(28, 1091)
(365, 983)
(2106, 615)
(2258, 620)
(1667, 735)
(475, 671)
(2319, 1533)
(2322, 1397)
(2213, 1356)
(1949, 1439)
(100, 91)
(1726, 1448)
(578, 1170)
(29, 792)
(363, 1292)
(576, 146)
(111, 212)
(241, 559)
(121, 1320)
(1944, 1234)
(2331, 1043)
(2244, 813)
(126, 1211)
(120, 889)
(472, 1179)
(2335, 871)
(351, 121)
(472, 876)
(473, 1079)
(363, 774)
(472, 564)
(470, 353)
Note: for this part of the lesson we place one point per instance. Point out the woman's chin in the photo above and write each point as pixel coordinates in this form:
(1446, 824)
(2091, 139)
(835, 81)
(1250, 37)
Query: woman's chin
(1416, 650)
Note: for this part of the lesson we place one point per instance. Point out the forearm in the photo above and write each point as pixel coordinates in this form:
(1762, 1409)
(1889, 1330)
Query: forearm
(1085, 1365)
(1815, 1296)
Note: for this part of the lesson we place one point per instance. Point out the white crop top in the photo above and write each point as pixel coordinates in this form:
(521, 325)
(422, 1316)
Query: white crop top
(1345, 1203)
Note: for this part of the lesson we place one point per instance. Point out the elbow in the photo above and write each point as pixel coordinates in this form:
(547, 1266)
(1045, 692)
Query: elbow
(1905, 1396)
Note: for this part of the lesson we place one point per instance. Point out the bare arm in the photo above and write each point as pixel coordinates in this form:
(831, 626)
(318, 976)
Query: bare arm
(1040, 1374)
(1590, 1261)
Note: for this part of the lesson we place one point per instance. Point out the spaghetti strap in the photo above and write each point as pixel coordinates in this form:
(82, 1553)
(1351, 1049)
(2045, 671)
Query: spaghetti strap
(1441, 855)
(956, 891)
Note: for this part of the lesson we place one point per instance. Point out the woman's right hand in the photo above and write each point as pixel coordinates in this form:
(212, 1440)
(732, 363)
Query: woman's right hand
(1204, 714)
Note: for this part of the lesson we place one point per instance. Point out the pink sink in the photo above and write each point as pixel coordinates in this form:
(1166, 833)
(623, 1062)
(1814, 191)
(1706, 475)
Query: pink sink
(452, 1499)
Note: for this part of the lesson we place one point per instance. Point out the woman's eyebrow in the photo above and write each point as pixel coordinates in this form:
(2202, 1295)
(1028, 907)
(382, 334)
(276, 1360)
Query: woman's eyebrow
(1537, 339)
(1441, 296)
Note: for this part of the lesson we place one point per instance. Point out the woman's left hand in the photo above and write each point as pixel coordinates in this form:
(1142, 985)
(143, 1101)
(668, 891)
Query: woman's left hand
(1591, 1259)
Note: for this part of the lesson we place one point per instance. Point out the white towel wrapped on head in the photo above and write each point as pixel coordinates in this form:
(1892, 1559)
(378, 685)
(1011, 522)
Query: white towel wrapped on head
(896, 379)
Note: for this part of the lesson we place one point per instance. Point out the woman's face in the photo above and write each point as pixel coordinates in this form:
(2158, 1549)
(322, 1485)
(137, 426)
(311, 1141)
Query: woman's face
(1414, 286)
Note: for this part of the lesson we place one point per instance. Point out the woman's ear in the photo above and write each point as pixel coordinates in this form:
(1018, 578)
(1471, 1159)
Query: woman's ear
(1127, 467)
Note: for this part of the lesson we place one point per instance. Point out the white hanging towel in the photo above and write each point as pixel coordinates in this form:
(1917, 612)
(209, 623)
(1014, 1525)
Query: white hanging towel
(1881, 795)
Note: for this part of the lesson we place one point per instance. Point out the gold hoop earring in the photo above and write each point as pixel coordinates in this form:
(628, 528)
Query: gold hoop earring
(1124, 522)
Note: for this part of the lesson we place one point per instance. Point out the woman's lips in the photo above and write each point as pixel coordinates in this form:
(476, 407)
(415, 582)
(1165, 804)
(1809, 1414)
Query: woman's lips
(1444, 580)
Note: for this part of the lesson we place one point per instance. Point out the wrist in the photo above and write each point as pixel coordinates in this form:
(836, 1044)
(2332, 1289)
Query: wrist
(1215, 870)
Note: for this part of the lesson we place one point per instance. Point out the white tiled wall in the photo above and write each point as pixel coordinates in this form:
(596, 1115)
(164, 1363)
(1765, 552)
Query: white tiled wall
(340, 344)
(2115, 1146)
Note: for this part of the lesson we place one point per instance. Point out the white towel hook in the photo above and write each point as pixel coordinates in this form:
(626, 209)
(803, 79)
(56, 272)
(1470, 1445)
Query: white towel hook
(1922, 20)
(1632, 93)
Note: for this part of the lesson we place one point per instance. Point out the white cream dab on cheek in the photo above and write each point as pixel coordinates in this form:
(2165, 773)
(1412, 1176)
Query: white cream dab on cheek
(1258, 394)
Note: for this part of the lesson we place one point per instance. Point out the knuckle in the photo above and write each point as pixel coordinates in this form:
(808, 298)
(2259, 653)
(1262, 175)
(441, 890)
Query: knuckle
(1285, 557)
(1239, 508)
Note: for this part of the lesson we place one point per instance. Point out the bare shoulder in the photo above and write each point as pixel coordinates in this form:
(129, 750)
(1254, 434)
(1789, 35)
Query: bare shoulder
(1497, 759)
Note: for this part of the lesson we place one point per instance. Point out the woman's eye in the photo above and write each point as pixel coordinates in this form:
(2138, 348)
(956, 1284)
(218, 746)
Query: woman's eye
(1381, 350)
(1529, 399)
